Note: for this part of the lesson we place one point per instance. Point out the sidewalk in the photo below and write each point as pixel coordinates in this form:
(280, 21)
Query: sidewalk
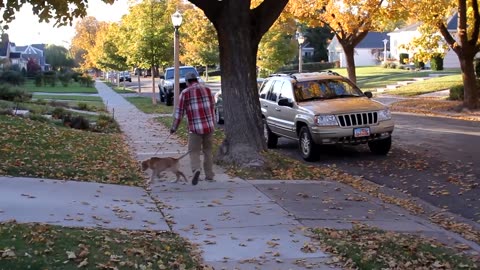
(237, 224)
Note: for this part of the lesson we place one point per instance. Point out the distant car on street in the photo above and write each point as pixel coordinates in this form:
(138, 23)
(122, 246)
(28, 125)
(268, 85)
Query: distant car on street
(125, 76)
(166, 84)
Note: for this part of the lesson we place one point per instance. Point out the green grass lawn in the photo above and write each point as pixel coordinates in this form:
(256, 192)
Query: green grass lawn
(45, 150)
(145, 105)
(59, 88)
(68, 97)
(371, 78)
(38, 246)
(428, 86)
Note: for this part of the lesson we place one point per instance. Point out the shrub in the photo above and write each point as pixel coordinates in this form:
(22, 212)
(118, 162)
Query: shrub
(436, 63)
(76, 76)
(86, 81)
(59, 113)
(65, 78)
(12, 77)
(83, 106)
(39, 80)
(7, 92)
(456, 92)
(38, 117)
(403, 58)
(50, 78)
(76, 122)
(419, 64)
(106, 124)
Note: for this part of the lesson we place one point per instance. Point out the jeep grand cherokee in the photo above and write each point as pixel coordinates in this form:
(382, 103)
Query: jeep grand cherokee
(323, 108)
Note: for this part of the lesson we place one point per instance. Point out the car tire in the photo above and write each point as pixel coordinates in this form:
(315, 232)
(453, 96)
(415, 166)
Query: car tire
(270, 137)
(308, 148)
(380, 147)
(218, 119)
(168, 99)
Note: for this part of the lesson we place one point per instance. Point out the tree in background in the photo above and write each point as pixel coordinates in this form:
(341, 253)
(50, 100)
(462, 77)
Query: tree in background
(277, 46)
(198, 40)
(319, 38)
(84, 41)
(58, 57)
(349, 20)
(146, 37)
(434, 15)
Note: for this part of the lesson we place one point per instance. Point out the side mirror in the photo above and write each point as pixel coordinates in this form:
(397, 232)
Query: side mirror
(285, 102)
(368, 94)
(162, 77)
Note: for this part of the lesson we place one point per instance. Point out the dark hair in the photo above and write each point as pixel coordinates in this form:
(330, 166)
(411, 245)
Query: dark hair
(192, 80)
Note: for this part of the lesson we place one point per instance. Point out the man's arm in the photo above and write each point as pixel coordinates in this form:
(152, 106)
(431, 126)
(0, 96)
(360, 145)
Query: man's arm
(212, 101)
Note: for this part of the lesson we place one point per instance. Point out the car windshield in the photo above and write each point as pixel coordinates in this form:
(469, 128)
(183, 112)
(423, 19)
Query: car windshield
(325, 89)
(183, 71)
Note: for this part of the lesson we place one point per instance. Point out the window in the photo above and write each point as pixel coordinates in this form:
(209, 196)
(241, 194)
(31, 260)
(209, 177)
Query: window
(286, 91)
(275, 93)
(265, 89)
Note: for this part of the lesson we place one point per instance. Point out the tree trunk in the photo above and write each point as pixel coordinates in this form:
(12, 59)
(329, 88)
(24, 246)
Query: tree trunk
(349, 57)
(239, 31)
(243, 123)
(470, 90)
(154, 98)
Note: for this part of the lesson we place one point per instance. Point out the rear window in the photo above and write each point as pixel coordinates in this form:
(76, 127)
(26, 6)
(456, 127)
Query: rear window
(183, 71)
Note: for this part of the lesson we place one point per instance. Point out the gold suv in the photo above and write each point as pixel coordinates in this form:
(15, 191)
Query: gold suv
(323, 108)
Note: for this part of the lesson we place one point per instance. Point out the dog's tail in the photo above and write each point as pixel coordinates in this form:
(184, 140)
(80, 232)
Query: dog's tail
(184, 155)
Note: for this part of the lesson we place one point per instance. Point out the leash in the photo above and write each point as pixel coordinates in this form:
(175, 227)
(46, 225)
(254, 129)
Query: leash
(163, 143)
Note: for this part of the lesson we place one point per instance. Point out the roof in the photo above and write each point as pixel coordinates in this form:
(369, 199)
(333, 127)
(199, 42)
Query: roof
(372, 40)
(452, 24)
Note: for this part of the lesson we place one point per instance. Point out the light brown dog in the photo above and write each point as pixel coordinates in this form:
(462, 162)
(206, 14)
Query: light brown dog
(158, 165)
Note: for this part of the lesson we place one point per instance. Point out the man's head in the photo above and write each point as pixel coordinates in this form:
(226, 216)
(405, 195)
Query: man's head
(191, 77)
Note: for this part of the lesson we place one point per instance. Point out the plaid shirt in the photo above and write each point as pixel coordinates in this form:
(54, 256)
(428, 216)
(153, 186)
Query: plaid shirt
(197, 102)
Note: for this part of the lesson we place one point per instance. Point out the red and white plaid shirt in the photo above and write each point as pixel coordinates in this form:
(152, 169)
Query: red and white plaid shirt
(197, 102)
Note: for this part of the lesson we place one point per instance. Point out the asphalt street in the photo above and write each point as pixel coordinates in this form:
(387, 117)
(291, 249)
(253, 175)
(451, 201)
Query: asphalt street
(432, 158)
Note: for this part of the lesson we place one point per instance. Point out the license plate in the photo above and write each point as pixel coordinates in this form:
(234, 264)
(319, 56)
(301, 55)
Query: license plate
(361, 132)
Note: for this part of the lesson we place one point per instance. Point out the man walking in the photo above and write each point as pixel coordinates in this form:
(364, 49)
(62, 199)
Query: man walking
(197, 102)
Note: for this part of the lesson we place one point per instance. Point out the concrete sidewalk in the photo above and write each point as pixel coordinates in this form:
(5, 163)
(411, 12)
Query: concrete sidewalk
(237, 224)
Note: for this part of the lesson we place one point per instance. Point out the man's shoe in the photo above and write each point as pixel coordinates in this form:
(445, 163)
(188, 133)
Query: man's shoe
(196, 175)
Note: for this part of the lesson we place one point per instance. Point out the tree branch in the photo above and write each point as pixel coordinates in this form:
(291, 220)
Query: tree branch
(476, 21)
(263, 16)
(211, 8)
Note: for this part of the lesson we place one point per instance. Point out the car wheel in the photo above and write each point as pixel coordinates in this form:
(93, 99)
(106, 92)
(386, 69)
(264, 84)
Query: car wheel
(162, 96)
(270, 137)
(218, 119)
(380, 147)
(307, 146)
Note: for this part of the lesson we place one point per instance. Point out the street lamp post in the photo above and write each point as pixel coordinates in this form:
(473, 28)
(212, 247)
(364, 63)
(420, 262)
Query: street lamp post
(300, 39)
(385, 50)
(176, 21)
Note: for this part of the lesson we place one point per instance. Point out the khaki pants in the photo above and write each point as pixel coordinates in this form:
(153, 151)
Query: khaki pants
(196, 143)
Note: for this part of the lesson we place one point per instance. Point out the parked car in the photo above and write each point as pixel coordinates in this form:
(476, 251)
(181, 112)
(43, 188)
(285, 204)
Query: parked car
(323, 108)
(125, 75)
(219, 118)
(166, 84)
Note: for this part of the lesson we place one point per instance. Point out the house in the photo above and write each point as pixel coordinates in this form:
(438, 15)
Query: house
(405, 35)
(33, 51)
(307, 50)
(368, 52)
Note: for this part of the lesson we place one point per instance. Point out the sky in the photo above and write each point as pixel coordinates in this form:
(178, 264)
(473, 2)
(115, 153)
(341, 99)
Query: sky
(26, 29)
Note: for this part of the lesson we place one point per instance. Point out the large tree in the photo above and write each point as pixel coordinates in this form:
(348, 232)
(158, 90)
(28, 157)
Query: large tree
(349, 20)
(240, 30)
(58, 57)
(465, 42)
(146, 37)
(84, 41)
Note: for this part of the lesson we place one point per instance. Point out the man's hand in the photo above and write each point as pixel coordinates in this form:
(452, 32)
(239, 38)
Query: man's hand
(172, 130)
